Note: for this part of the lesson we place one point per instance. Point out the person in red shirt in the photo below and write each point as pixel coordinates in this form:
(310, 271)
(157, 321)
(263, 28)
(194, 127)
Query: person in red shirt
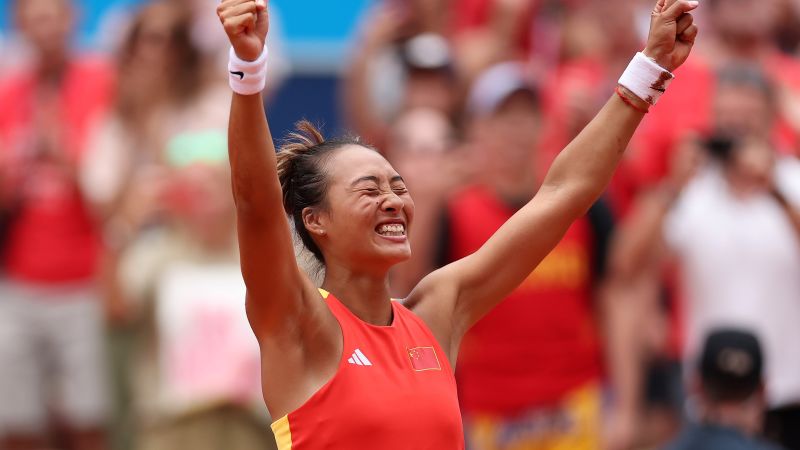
(347, 367)
(529, 372)
(50, 315)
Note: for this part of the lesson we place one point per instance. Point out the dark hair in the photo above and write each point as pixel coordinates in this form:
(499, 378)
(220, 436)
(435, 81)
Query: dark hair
(303, 174)
(731, 365)
(747, 76)
(187, 58)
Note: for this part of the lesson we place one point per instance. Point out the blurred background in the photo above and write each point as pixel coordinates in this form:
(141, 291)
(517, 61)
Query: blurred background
(666, 318)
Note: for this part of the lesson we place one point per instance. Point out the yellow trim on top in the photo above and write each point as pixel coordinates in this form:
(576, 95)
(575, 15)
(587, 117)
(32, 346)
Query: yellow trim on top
(283, 433)
(325, 294)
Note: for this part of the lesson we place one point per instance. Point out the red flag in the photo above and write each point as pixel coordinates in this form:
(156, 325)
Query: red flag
(424, 358)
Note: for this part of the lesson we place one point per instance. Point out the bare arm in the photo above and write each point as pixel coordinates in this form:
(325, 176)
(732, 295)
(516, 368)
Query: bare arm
(575, 181)
(630, 305)
(276, 288)
(577, 178)
(643, 243)
(381, 27)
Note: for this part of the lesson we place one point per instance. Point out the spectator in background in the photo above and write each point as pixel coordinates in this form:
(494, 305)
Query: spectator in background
(51, 338)
(529, 372)
(196, 364)
(488, 32)
(591, 42)
(734, 225)
(424, 146)
(739, 32)
(729, 395)
(165, 91)
(412, 63)
(124, 174)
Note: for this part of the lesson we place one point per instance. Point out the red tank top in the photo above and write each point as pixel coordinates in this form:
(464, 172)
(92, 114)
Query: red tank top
(394, 389)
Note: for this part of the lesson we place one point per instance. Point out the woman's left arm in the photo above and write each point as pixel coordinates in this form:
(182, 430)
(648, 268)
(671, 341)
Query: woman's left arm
(578, 176)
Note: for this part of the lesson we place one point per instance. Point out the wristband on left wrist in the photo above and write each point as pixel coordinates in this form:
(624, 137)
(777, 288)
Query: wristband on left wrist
(247, 77)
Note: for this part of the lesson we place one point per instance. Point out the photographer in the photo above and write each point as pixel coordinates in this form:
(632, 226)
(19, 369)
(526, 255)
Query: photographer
(729, 213)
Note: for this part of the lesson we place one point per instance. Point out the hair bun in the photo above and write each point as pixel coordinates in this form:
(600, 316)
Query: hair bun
(301, 142)
(303, 174)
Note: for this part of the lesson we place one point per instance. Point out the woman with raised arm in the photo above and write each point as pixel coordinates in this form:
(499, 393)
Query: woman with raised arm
(344, 366)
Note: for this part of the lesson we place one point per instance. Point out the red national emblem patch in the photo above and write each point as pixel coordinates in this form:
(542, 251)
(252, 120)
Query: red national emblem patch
(423, 358)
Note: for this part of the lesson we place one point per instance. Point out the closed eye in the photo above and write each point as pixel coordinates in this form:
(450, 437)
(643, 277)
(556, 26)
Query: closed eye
(371, 191)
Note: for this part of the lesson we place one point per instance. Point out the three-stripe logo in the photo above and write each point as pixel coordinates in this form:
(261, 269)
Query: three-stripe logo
(358, 358)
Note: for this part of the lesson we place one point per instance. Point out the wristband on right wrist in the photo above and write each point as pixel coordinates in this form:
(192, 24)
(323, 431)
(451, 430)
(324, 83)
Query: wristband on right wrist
(247, 77)
(646, 79)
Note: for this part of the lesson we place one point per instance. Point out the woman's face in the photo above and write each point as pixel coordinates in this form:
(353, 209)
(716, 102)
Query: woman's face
(743, 111)
(47, 24)
(152, 46)
(745, 19)
(509, 137)
(368, 211)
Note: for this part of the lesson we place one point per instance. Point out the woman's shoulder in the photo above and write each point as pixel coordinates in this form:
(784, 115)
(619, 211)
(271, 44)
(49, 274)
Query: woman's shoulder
(433, 288)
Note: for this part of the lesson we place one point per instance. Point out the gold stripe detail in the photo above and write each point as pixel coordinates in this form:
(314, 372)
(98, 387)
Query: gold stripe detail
(283, 434)
(324, 293)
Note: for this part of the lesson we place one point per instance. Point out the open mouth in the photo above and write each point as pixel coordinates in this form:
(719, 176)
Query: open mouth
(391, 230)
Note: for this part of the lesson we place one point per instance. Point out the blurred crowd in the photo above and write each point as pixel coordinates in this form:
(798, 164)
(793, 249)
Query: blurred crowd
(664, 318)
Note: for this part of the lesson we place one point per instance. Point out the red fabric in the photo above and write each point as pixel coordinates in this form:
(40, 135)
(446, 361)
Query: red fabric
(476, 14)
(53, 240)
(382, 402)
(541, 342)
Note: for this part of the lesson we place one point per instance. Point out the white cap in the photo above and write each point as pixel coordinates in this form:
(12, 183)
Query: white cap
(428, 51)
(495, 85)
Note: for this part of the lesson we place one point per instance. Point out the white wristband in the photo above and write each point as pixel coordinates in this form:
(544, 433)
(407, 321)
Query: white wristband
(646, 79)
(248, 77)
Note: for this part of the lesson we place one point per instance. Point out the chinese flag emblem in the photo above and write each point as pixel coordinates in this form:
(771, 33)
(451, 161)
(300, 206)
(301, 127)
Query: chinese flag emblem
(424, 358)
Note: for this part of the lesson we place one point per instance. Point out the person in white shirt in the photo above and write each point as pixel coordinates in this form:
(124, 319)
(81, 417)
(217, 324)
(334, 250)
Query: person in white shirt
(730, 213)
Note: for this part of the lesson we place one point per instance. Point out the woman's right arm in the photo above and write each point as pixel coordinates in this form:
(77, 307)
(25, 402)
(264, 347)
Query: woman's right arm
(276, 287)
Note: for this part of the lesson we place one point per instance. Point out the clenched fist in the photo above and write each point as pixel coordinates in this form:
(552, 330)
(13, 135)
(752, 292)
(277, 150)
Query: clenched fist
(246, 22)
(672, 33)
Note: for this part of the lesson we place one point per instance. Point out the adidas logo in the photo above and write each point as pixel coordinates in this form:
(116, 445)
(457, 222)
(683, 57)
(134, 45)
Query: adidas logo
(359, 359)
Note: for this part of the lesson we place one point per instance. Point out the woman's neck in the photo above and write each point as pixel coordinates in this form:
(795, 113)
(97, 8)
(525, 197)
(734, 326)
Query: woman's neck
(365, 294)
